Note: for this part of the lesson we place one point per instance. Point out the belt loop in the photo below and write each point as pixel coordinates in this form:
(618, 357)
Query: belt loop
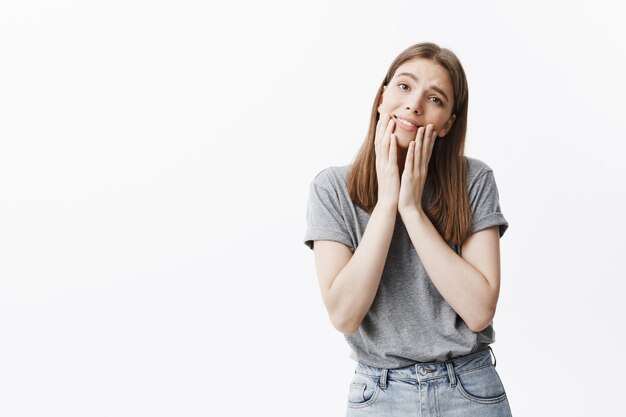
(383, 380)
(451, 374)
(494, 357)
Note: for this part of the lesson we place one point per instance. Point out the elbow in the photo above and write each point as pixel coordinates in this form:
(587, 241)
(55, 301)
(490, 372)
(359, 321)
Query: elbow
(341, 319)
(478, 327)
(349, 330)
(344, 325)
(481, 322)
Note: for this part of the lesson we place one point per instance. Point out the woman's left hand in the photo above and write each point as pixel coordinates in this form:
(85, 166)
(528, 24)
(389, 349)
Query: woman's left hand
(416, 169)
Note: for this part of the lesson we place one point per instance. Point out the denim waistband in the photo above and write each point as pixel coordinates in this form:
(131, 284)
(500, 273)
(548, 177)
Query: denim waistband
(425, 371)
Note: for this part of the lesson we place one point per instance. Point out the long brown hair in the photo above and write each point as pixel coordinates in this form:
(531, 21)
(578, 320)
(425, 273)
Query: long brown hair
(449, 210)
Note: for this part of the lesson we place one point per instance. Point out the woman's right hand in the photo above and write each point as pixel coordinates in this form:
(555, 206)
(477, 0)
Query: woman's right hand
(386, 147)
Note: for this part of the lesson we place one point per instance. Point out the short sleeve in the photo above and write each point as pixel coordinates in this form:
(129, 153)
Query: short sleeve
(324, 218)
(485, 204)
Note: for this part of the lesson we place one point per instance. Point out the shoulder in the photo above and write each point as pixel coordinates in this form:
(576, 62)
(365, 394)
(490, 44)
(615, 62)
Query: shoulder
(333, 177)
(476, 168)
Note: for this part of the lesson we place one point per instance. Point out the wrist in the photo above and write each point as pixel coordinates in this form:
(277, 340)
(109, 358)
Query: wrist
(388, 206)
(412, 211)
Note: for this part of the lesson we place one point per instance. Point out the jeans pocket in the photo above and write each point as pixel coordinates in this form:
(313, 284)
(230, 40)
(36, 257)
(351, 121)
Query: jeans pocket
(481, 385)
(364, 390)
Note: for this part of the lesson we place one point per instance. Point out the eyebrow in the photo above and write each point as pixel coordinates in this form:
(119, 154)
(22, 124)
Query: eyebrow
(433, 87)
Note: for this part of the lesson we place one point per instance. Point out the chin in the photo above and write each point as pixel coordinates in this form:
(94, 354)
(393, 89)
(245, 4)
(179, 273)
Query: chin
(403, 145)
(403, 142)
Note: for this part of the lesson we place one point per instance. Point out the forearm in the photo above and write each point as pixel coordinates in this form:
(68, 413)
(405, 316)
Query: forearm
(354, 289)
(464, 287)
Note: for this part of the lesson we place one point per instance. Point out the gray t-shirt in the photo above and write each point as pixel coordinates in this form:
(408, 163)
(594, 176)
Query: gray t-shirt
(409, 321)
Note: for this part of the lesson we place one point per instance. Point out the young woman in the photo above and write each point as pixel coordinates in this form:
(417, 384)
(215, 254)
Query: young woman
(406, 243)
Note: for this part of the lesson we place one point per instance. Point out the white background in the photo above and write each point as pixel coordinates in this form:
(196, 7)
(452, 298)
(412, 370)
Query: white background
(155, 158)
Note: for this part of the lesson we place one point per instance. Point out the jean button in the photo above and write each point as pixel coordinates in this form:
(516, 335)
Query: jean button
(422, 370)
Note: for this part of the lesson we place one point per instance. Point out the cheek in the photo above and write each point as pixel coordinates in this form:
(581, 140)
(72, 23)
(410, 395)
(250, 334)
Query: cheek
(389, 101)
(440, 120)
(384, 105)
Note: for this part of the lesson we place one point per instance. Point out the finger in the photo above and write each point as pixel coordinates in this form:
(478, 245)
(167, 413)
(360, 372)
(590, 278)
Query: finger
(408, 164)
(433, 140)
(418, 150)
(427, 138)
(393, 150)
(377, 138)
(382, 146)
(431, 144)
(426, 149)
(379, 132)
(387, 137)
(379, 123)
(381, 126)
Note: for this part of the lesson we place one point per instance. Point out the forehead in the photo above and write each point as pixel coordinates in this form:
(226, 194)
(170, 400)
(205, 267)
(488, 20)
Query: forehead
(427, 71)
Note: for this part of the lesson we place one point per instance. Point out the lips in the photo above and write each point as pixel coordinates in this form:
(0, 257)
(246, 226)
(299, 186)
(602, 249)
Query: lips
(405, 126)
(408, 119)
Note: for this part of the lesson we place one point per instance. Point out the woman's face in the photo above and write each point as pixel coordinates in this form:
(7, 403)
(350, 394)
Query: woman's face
(420, 93)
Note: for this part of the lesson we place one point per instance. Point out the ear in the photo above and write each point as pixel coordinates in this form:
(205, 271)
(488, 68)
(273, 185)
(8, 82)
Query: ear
(448, 126)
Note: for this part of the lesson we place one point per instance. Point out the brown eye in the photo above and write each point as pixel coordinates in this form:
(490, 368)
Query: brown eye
(437, 101)
(403, 84)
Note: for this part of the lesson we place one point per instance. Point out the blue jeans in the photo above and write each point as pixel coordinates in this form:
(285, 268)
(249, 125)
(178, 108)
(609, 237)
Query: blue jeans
(465, 386)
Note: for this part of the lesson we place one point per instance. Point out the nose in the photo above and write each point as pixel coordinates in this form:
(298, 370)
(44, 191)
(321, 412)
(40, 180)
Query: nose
(414, 103)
